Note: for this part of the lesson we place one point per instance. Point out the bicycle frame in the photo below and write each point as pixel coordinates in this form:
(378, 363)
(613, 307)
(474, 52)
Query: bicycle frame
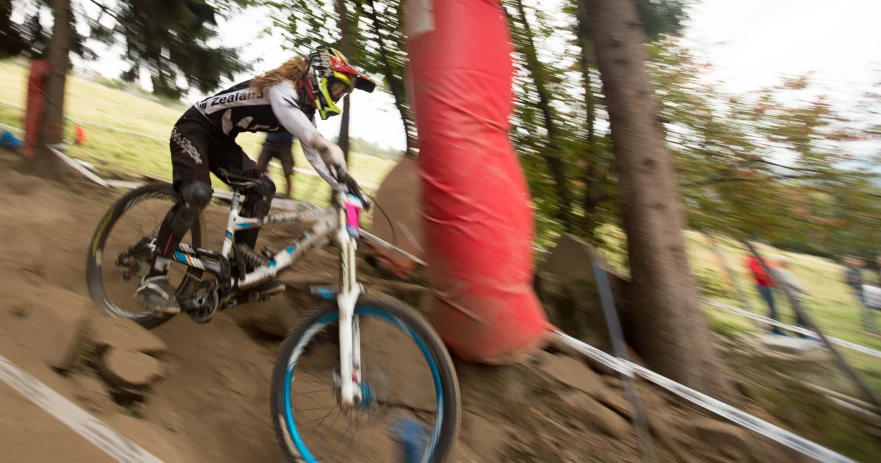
(339, 224)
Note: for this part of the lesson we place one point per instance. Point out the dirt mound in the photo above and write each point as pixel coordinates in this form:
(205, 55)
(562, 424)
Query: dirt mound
(213, 401)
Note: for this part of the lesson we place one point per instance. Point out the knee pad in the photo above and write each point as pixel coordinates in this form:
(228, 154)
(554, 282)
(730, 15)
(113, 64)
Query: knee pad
(267, 188)
(196, 195)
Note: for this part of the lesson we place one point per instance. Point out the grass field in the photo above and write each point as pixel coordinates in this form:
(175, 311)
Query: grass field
(118, 153)
(126, 154)
(831, 304)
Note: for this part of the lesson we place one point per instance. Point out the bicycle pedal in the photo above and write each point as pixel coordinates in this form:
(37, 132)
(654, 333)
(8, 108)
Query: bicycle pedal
(267, 253)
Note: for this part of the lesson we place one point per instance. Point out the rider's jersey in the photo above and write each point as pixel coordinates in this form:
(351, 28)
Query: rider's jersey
(243, 109)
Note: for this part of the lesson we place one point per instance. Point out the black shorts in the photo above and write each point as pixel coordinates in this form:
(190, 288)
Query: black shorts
(281, 151)
(197, 150)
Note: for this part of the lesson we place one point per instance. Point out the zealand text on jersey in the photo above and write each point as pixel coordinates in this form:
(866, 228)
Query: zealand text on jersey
(242, 97)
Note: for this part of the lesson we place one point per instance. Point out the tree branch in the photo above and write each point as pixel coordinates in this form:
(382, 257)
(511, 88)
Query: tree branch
(105, 10)
(723, 180)
(398, 91)
(797, 169)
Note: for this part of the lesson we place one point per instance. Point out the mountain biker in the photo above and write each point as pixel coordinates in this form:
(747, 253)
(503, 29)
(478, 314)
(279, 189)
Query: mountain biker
(203, 141)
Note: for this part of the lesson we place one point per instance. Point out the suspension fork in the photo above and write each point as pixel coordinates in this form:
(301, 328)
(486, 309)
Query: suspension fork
(350, 290)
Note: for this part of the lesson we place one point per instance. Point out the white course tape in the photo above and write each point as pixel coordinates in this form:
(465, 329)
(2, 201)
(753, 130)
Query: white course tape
(14, 105)
(113, 443)
(12, 127)
(704, 401)
(797, 329)
(314, 174)
(79, 168)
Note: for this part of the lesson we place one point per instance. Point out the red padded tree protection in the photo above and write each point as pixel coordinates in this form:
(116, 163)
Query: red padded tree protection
(478, 221)
(36, 104)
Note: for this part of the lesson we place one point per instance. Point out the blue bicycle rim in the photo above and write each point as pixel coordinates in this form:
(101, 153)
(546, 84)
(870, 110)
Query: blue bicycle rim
(331, 317)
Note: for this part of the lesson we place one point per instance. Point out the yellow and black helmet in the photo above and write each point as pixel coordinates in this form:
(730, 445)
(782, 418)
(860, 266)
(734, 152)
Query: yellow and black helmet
(330, 76)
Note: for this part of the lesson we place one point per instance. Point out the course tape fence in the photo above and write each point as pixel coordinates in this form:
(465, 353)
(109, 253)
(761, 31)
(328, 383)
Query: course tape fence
(708, 403)
(102, 436)
(797, 329)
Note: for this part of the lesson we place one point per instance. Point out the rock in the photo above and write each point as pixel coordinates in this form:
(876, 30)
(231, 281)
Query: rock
(273, 318)
(720, 441)
(92, 394)
(124, 334)
(597, 415)
(56, 326)
(487, 439)
(666, 429)
(130, 369)
(567, 289)
(570, 372)
(617, 402)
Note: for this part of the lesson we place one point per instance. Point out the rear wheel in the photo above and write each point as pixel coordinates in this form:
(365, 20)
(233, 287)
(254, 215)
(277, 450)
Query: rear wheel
(122, 249)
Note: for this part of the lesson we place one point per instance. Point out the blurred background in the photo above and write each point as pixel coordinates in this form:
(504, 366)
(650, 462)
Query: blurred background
(771, 110)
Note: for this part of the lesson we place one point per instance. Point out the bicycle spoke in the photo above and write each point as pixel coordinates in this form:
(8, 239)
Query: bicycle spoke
(352, 439)
(332, 452)
(319, 369)
(321, 442)
(313, 409)
(322, 419)
(328, 354)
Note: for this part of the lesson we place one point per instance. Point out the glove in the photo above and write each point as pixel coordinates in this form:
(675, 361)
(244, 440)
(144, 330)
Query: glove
(333, 156)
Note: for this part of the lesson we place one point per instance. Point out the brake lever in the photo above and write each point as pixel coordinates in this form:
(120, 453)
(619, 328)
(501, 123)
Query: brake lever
(355, 189)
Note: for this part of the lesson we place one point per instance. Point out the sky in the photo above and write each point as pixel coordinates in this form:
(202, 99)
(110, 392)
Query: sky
(750, 43)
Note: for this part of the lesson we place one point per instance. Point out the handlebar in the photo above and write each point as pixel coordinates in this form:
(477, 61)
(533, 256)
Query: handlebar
(343, 178)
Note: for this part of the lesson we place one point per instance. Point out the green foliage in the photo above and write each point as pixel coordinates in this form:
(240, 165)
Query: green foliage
(376, 35)
(559, 111)
(711, 285)
(171, 41)
(29, 38)
(774, 164)
(661, 16)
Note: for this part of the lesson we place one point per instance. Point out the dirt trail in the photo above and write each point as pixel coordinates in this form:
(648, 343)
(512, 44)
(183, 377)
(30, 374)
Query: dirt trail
(214, 403)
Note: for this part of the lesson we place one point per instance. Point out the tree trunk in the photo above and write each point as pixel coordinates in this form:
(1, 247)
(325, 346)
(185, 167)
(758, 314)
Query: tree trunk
(551, 152)
(396, 86)
(672, 333)
(46, 164)
(592, 178)
(346, 50)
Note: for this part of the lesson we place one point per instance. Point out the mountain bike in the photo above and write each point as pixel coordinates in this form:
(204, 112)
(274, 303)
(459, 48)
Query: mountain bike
(212, 281)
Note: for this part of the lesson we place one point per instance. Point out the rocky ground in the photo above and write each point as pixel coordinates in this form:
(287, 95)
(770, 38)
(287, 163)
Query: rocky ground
(200, 392)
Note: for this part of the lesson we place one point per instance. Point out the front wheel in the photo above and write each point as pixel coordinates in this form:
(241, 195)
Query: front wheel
(407, 377)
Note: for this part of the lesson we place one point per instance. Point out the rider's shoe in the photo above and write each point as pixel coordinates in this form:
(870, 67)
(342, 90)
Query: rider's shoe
(156, 294)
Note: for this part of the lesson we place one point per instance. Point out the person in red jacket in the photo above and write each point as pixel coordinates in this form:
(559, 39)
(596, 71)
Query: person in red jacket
(765, 284)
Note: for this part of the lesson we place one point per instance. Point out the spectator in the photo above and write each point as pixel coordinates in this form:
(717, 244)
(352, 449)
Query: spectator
(765, 284)
(279, 145)
(854, 278)
(878, 267)
(786, 279)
